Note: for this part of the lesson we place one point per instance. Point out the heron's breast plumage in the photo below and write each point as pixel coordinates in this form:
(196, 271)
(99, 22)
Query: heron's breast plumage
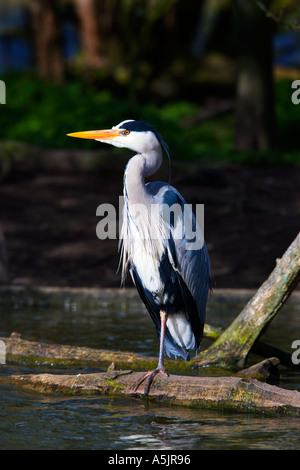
(147, 267)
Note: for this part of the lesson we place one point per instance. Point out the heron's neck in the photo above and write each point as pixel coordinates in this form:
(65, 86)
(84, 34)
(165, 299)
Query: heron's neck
(139, 167)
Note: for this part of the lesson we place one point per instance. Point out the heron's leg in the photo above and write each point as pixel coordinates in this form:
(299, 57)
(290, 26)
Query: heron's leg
(163, 321)
(160, 366)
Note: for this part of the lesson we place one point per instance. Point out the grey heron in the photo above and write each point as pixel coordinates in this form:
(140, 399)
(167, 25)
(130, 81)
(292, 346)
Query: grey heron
(170, 268)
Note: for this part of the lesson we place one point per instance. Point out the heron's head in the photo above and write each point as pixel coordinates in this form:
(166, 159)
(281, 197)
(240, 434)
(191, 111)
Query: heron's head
(138, 136)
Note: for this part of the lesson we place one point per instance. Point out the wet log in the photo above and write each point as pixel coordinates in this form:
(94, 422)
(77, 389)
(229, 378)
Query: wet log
(33, 353)
(226, 393)
(259, 347)
(232, 347)
(262, 370)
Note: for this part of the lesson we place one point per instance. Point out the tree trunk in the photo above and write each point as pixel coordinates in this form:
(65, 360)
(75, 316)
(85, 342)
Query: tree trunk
(232, 347)
(47, 39)
(255, 116)
(89, 32)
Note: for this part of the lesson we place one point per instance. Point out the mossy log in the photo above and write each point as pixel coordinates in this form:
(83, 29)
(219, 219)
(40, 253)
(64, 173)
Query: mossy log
(33, 353)
(226, 393)
(232, 347)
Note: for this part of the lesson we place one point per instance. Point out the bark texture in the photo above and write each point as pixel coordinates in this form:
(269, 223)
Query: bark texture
(226, 393)
(232, 347)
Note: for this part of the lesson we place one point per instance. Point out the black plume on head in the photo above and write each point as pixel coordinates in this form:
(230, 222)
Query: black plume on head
(143, 126)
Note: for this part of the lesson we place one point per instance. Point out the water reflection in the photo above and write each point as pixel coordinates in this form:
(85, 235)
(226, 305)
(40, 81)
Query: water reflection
(104, 423)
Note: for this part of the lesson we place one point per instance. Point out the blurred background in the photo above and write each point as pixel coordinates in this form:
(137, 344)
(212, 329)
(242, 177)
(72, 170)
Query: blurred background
(213, 76)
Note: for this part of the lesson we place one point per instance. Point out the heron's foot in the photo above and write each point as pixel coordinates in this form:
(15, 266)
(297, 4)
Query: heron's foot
(150, 376)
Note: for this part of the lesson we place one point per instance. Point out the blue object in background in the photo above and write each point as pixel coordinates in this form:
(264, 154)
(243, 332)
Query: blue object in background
(287, 49)
(70, 40)
(16, 52)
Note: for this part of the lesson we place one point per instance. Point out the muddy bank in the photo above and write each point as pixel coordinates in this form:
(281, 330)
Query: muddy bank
(48, 215)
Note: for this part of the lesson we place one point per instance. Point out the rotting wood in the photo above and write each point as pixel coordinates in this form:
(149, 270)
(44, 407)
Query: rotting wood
(226, 393)
(262, 370)
(33, 353)
(232, 347)
(259, 347)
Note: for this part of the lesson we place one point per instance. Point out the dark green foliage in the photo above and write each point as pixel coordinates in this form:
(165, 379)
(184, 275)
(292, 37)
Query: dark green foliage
(42, 114)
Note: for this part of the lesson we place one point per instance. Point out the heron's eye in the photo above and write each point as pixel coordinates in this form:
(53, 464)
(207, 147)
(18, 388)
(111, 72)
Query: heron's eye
(126, 132)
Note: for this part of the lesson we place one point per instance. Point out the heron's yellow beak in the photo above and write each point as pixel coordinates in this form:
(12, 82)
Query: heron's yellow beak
(97, 135)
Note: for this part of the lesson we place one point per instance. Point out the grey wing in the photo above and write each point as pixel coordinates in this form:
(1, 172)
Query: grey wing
(189, 257)
(193, 267)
